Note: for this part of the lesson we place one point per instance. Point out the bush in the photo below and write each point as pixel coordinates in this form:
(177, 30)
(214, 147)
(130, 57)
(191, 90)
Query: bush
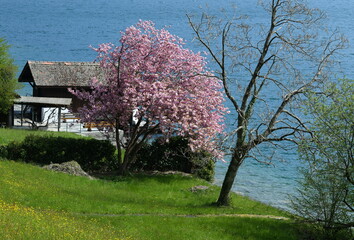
(14, 151)
(174, 155)
(3, 151)
(91, 154)
(320, 200)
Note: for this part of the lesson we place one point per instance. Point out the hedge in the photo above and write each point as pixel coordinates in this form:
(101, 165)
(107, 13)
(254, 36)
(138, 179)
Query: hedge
(91, 154)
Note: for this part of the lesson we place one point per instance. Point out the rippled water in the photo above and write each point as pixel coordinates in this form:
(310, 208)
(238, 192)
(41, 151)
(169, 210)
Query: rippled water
(63, 31)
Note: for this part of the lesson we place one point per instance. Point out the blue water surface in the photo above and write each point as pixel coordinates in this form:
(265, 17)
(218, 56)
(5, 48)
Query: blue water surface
(63, 30)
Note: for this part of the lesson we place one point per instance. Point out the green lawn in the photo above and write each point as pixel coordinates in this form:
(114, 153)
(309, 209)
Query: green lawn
(9, 135)
(141, 207)
(40, 204)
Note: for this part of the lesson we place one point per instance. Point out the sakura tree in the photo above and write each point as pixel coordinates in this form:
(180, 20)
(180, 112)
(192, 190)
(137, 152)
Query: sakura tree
(152, 79)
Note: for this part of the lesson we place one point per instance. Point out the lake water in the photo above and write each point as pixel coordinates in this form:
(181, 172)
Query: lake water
(63, 30)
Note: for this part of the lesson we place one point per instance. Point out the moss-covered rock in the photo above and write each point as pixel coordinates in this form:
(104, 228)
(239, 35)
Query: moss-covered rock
(71, 167)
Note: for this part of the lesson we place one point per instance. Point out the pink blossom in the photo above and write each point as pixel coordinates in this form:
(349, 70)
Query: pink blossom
(167, 85)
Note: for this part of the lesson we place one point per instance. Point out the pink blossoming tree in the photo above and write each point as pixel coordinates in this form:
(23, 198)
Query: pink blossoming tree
(166, 88)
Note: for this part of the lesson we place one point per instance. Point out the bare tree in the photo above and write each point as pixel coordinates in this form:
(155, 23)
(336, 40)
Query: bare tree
(264, 69)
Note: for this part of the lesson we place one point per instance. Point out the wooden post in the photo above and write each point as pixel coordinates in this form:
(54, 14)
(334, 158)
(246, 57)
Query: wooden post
(21, 114)
(33, 116)
(10, 117)
(59, 114)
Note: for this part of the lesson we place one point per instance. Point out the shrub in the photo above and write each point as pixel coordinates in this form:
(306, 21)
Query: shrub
(14, 151)
(3, 151)
(174, 155)
(91, 154)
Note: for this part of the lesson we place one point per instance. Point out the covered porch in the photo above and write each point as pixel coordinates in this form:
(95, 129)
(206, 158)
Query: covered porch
(25, 110)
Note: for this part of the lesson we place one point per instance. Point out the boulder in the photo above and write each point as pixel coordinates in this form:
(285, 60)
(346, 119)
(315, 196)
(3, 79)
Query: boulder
(199, 188)
(155, 172)
(72, 168)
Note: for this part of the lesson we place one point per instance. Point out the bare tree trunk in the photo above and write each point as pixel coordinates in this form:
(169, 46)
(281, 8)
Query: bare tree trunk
(238, 156)
(224, 199)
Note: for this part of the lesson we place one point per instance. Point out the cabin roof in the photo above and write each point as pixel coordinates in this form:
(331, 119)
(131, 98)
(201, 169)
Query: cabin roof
(61, 74)
(44, 101)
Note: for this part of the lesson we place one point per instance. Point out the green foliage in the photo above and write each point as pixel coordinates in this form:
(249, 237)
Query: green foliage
(174, 155)
(320, 201)
(91, 154)
(3, 151)
(326, 195)
(314, 231)
(14, 151)
(8, 81)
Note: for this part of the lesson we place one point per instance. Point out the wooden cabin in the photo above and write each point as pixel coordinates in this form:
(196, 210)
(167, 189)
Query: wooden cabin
(52, 80)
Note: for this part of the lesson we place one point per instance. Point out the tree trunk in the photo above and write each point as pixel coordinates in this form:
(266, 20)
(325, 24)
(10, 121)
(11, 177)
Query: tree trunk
(236, 161)
(120, 158)
(124, 165)
(129, 158)
(123, 169)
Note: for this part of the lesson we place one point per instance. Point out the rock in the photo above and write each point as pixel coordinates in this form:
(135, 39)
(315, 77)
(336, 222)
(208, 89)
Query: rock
(199, 188)
(170, 173)
(72, 168)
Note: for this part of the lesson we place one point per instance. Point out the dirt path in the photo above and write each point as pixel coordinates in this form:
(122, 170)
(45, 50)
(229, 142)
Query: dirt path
(185, 215)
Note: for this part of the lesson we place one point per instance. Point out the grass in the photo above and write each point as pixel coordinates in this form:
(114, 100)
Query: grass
(40, 204)
(52, 205)
(9, 135)
(230, 228)
(19, 222)
(129, 195)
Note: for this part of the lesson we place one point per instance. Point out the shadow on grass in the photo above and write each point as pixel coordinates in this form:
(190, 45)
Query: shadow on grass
(206, 228)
